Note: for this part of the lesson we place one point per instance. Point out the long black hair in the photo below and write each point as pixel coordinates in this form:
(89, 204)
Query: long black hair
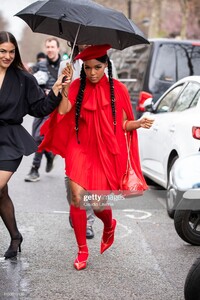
(6, 37)
(79, 98)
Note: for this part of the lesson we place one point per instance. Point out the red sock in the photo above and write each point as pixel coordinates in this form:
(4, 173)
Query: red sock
(105, 216)
(79, 221)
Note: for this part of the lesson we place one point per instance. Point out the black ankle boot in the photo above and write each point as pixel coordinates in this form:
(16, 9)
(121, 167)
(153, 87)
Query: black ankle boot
(15, 244)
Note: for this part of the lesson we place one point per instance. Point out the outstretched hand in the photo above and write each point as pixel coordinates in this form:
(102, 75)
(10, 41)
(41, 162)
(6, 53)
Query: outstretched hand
(146, 122)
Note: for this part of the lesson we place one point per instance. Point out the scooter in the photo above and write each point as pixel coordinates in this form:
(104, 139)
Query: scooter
(192, 286)
(186, 189)
(185, 192)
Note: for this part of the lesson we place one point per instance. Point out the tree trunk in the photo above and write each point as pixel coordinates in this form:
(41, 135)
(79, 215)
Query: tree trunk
(154, 28)
(185, 8)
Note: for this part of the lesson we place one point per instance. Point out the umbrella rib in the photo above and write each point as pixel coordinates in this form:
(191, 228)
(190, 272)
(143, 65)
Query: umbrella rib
(74, 43)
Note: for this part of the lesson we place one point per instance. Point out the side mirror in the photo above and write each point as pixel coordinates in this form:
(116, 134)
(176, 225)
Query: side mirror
(148, 105)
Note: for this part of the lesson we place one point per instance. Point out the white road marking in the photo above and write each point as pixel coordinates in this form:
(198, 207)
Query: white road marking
(60, 212)
(141, 214)
(127, 230)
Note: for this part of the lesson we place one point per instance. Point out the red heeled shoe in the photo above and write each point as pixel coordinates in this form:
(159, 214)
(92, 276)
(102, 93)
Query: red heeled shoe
(80, 262)
(108, 237)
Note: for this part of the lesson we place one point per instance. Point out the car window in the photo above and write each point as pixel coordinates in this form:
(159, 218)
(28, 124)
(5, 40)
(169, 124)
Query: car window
(131, 64)
(195, 100)
(175, 61)
(166, 60)
(186, 96)
(167, 103)
(188, 60)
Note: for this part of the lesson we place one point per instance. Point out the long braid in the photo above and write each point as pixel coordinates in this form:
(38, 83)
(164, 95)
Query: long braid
(79, 100)
(112, 93)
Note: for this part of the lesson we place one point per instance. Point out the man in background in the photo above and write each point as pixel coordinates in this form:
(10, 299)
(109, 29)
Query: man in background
(46, 73)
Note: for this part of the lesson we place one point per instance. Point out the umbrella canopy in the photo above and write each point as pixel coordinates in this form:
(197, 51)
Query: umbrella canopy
(83, 21)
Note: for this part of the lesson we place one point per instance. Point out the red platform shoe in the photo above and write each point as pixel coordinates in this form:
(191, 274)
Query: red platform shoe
(108, 237)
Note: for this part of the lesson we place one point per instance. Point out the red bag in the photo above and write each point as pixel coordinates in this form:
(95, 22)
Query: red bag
(130, 184)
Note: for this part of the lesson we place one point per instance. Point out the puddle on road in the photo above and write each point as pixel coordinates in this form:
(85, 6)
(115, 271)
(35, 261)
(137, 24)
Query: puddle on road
(12, 284)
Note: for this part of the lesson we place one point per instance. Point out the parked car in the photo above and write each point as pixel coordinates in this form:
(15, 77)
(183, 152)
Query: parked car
(149, 70)
(177, 116)
(185, 189)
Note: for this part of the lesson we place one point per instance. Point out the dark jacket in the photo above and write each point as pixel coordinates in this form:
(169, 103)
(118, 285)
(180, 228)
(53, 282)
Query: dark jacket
(20, 95)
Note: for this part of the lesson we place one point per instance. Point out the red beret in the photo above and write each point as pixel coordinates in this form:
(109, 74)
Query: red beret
(93, 52)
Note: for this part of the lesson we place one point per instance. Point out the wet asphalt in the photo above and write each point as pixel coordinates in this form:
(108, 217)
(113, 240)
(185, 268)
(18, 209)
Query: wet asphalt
(147, 260)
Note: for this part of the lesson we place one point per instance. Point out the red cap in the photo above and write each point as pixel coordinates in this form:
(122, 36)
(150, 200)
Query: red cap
(93, 52)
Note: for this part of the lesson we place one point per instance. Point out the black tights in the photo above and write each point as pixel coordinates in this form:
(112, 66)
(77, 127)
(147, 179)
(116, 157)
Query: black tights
(7, 212)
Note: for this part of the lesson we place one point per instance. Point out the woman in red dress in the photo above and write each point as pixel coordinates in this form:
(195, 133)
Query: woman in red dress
(87, 130)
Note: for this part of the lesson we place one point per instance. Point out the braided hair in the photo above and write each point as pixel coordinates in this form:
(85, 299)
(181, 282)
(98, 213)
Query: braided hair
(112, 93)
(80, 94)
(79, 100)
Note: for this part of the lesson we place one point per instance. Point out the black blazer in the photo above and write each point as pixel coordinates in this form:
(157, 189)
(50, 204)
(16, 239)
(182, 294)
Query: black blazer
(20, 95)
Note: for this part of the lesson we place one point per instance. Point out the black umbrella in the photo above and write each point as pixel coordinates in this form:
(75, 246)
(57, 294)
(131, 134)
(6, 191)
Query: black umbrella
(82, 22)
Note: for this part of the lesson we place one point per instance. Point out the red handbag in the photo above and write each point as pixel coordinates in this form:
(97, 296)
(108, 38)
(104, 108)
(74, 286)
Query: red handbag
(130, 184)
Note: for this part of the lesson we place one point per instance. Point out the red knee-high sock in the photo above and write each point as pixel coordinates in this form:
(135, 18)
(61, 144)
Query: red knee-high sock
(105, 216)
(79, 221)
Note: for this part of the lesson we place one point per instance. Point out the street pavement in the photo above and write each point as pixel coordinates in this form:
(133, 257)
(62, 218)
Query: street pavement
(147, 261)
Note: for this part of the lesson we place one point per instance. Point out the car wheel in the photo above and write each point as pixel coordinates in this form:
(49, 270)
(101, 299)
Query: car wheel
(172, 195)
(187, 225)
(173, 198)
(192, 286)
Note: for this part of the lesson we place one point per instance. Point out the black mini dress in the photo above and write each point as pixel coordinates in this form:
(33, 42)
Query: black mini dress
(20, 95)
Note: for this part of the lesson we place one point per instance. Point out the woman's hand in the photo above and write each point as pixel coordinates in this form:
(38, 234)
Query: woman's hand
(64, 80)
(146, 122)
(65, 105)
(68, 73)
(57, 85)
(130, 125)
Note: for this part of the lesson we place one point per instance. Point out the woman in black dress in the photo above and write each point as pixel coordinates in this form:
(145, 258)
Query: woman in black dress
(19, 95)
